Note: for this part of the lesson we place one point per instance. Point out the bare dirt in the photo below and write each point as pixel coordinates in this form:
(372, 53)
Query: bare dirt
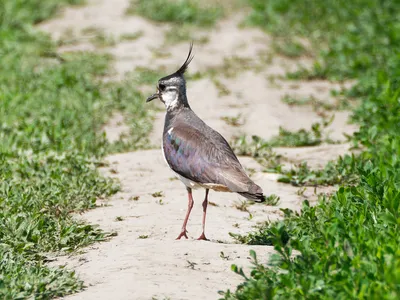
(144, 261)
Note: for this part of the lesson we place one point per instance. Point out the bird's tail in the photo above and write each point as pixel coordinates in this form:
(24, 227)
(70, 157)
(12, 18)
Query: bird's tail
(255, 193)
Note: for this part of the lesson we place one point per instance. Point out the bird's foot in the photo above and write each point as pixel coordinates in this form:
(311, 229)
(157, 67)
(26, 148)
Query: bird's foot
(202, 237)
(183, 233)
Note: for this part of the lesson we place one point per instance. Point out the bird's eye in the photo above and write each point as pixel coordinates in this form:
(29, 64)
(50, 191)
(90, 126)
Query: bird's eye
(161, 86)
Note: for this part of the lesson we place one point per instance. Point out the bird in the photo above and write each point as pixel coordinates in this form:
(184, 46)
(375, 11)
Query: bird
(200, 156)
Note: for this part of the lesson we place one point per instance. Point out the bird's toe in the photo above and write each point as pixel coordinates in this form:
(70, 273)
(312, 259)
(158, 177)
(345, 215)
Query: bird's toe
(202, 237)
(182, 234)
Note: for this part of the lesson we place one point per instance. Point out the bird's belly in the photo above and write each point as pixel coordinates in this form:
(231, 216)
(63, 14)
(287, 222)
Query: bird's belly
(189, 183)
(194, 185)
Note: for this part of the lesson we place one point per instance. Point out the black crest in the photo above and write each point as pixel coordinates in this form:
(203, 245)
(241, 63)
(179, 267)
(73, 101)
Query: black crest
(185, 65)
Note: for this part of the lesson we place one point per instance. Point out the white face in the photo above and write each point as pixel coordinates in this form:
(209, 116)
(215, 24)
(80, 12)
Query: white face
(170, 96)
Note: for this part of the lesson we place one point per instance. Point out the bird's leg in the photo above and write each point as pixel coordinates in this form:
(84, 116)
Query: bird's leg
(190, 206)
(205, 203)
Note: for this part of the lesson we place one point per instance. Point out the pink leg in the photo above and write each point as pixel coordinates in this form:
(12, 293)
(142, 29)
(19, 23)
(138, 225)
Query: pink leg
(190, 206)
(205, 203)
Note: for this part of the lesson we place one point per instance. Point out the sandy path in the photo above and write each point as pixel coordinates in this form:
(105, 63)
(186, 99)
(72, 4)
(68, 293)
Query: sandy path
(144, 261)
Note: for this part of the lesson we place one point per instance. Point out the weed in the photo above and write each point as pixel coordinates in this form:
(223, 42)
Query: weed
(289, 47)
(98, 37)
(179, 12)
(232, 66)
(262, 236)
(301, 191)
(119, 219)
(103, 40)
(344, 170)
(131, 36)
(67, 38)
(318, 105)
(272, 200)
(158, 194)
(143, 75)
(191, 264)
(222, 88)
(290, 100)
(302, 137)
(242, 206)
(143, 236)
(223, 256)
(184, 33)
(260, 150)
(233, 121)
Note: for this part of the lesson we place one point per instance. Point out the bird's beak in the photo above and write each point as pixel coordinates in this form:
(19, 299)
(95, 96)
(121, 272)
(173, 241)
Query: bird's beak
(152, 97)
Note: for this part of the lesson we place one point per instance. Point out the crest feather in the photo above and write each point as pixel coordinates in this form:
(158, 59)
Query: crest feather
(185, 65)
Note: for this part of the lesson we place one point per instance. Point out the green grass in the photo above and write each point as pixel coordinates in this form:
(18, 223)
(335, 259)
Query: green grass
(356, 39)
(52, 110)
(344, 170)
(131, 36)
(289, 47)
(235, 121)
(184, 33)
(345, 247)
(178, 12)
(317, 105)
(285, 138)
(272, 200)
(260, 150)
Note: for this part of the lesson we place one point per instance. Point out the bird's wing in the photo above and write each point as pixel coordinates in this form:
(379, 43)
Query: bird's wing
(204, 158)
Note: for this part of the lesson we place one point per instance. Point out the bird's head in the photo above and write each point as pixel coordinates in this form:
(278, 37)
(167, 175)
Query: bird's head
(171, 89)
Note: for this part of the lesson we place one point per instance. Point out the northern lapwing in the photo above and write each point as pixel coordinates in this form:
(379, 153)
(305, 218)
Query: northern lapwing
(199, 156)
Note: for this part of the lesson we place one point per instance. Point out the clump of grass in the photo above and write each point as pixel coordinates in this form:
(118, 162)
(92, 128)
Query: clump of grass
(263, 235)
(318, 105)
(179, 12)
(260, 150)
(184, 33)
(300, 138)
(242, 205)
(158, 194)
(98, 37)
(233, 121)
(289, 47)
(290, 100)
(344, 170)
(232, 66)
(145, 76)
(272, 200)
(222, 88)
(103, 40)
(131, 36)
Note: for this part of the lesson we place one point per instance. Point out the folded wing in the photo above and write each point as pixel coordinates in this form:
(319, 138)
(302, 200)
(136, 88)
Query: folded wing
(204, 158)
